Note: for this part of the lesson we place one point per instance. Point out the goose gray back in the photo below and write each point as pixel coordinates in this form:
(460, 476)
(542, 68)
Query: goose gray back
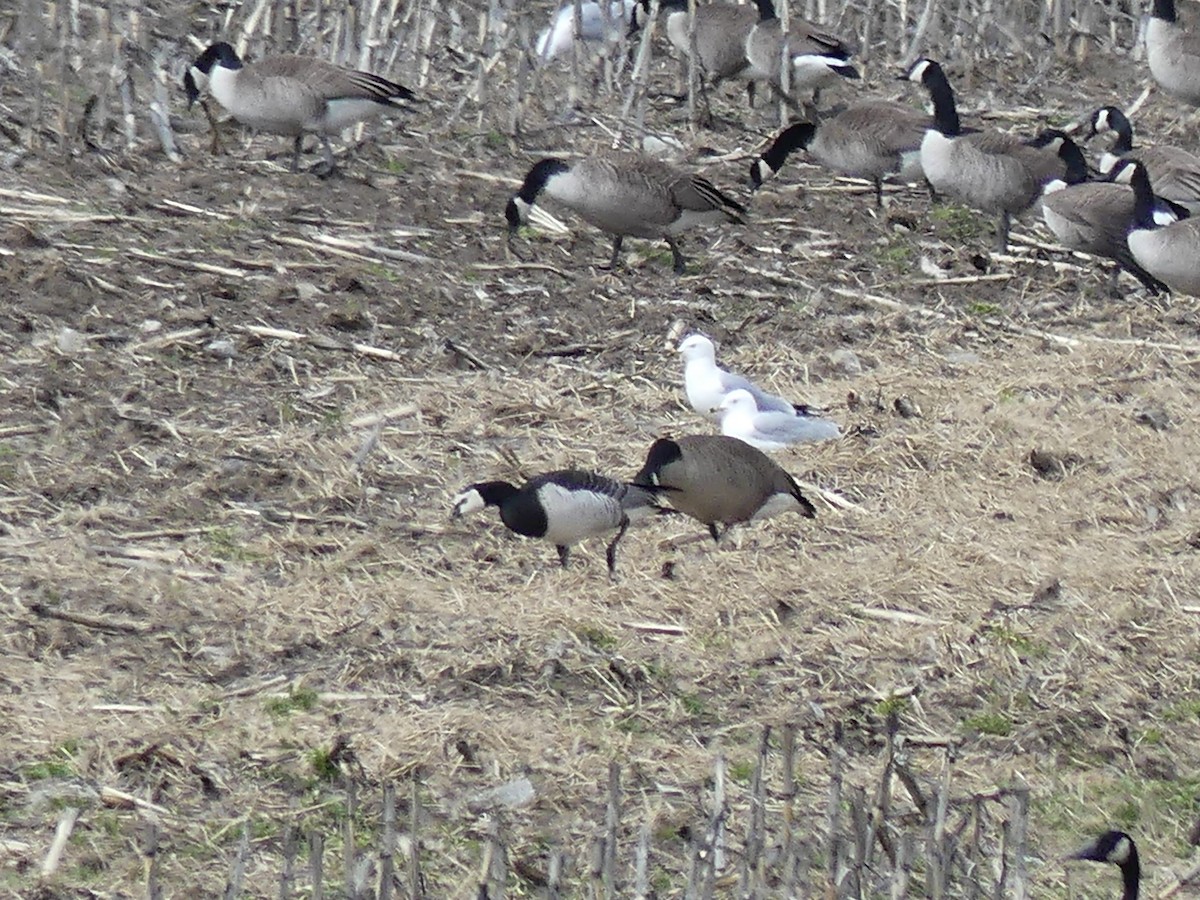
(292, 95)
(563, 507)
(998, 173)
(1174, 172)
(721, 480)
(867, 140)
(626, 194)
(1173, 53)
(1171, 253)
(1095, 218)
(818, 57)
(721, 31)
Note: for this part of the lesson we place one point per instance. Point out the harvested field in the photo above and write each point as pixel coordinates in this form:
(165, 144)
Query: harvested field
(237, 402)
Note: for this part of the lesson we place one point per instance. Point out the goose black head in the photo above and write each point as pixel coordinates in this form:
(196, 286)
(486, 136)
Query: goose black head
(220, 53)
(794, 137)
(662, 453)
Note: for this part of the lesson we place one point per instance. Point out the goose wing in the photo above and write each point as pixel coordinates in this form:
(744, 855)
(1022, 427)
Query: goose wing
(330, 82)
(697, 194)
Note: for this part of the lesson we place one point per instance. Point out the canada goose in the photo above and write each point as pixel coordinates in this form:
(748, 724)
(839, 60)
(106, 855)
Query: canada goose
(707, 384)
(770, 430)
(1095, 217)
(560, 33)
(1118, 848)
(1173, 54)
(867, 140)
(818, 57)
(992, 171)
(626, 194)
(1174, 172)
(1171, 253)
(720, 480)
(562, 507)
(721, 32)
(292, 95)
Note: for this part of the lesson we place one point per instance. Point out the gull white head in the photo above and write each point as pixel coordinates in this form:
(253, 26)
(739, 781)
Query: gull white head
(738, 401)
(697, 347)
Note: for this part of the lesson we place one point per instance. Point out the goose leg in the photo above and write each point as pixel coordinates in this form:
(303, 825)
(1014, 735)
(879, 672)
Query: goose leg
(1002, 225)
(716, 535)
(564, 554)
(212, 122)
(297, 146)
(617, 241)
(610, 554)
(677, 254)
(708, 120)
(750, 91)
(878, 191)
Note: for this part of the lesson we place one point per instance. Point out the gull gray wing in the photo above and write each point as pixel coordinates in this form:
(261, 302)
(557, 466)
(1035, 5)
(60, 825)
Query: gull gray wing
(792, 429)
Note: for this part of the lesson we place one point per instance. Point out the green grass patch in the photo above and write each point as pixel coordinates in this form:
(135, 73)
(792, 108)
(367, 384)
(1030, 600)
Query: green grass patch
(1184, 711)
(385, 273)
(1022, 644)
(323, 765)
(229, 544)
(995, 724)
(59, 764)
(891, 706)
(958, 222)
(741, 771)
(897, 256)
(597, 637)
(298, 699)
(694, 705)
(983, 309)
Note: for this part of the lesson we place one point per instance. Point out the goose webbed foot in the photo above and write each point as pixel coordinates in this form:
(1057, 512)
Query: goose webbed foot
(327, 167)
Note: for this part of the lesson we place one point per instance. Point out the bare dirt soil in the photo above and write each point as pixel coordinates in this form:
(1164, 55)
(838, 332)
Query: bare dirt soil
(233, 417)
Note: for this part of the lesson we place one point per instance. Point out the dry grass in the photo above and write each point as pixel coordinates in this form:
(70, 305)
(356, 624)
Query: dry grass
(258, 544)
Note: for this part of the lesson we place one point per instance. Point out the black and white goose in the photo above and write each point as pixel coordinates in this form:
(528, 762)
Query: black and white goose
(1169, 252)
(1118, 848)
(997, 173)
(1174, 172)
(626, 194)
(818, 57)
(292, 95)
(721, 32)
(563, 507)
(871, 140)
(1095, 217)
(719, 480)
(1173, 53)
